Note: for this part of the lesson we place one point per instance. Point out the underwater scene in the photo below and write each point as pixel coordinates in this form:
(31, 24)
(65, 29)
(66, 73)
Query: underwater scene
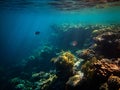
(59, 44)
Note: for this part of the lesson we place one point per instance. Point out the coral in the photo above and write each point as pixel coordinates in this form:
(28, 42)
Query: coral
(114, 82)
(21, 84)
(87, 67)
(86, 54)
(43, 80)
(73, 81)
(38, 76)
(65, 62)
(97, 72)
(77, 66)
(104, 68)
(108, 43)
(101, 69)
(38, 81)
(44, 84)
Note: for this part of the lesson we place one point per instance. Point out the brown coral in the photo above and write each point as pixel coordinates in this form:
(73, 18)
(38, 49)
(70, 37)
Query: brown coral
(104, 68)
(85, 54)
(108, 43)
(100, 69)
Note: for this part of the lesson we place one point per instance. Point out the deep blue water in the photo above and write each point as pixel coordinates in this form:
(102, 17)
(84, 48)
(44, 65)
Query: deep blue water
(18, 23)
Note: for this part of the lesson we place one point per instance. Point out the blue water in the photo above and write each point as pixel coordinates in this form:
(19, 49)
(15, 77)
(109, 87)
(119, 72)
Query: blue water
(19, 22)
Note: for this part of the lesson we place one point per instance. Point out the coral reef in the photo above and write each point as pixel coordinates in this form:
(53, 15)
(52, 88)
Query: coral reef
(99, 68)
(105, 68)
(96, 67)
(21, 84)
(87, 67)
(108, 43)
(45, 80)
(73, 81)
(85, 54)
(80, 33)
(38, 81)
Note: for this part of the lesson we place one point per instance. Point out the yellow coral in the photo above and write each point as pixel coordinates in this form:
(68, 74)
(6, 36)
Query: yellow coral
(65, 59)
(68, 58)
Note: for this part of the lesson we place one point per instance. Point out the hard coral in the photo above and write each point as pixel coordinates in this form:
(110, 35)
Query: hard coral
(104, 68)
(65, 62)
(114, 83)
(86, 54)
(43, 80)
(87, 67)
(108, 43)
(45, 84)
(74, 80)
(100, 69)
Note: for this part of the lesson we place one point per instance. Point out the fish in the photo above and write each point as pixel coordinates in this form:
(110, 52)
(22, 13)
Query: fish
(37, 33)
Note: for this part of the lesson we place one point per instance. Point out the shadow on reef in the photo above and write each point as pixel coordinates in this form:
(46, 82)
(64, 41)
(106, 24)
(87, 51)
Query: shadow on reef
(95, 65)
(21, 75)
(72, 36)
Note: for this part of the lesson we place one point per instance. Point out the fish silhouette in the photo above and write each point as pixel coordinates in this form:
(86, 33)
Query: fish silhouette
(37, 33)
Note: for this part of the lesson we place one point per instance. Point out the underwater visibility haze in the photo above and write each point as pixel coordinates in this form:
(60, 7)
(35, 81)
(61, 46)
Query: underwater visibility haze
(60, 44)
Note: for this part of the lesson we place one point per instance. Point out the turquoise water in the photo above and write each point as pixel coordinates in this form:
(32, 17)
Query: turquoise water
(19, 22)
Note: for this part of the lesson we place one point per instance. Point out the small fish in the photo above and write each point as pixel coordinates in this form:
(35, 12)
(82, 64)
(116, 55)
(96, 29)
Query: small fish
(37, 33)
(74, 43)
